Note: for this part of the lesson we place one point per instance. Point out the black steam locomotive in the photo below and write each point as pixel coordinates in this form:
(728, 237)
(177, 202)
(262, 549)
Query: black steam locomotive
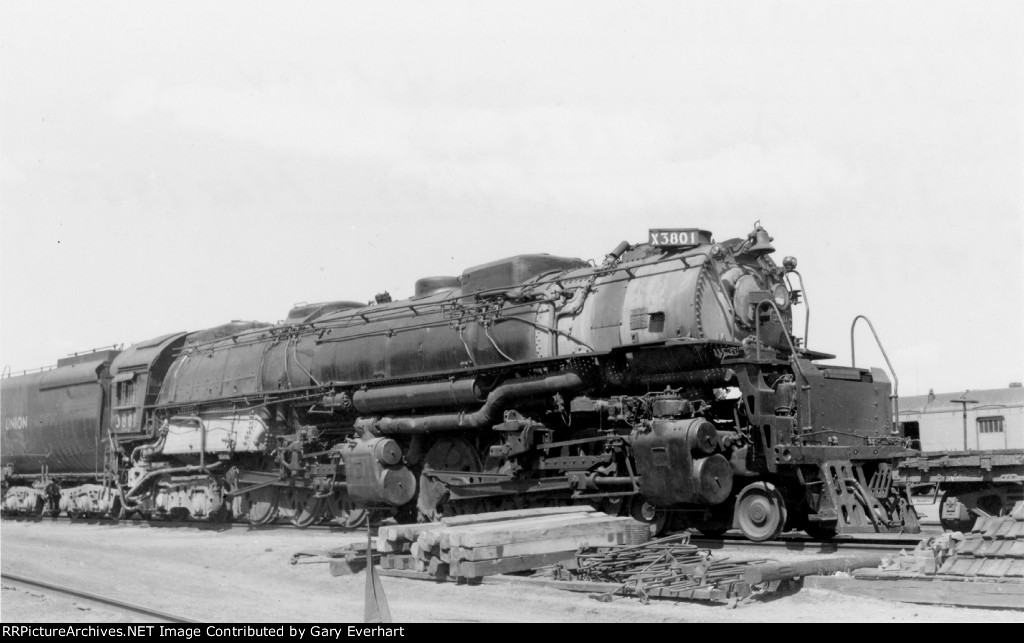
(665, 383)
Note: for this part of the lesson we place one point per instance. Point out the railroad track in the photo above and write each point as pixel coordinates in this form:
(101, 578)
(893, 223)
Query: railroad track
(794, 542)
(802, 544)
(194, 524)
(97, 598)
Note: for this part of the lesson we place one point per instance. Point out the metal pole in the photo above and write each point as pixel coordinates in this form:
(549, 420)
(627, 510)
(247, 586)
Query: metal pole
(819, 566)
(964, 402)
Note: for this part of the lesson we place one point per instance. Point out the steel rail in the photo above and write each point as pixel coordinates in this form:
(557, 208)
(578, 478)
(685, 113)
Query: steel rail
(867, 541)
(96, 598)
(805, 546)
(202, 525)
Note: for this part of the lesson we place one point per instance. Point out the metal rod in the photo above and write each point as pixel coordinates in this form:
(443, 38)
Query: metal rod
(896, 380)
(807, 309)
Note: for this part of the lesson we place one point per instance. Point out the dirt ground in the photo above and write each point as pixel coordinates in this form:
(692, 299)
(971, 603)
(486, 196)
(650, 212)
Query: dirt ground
(242, 576)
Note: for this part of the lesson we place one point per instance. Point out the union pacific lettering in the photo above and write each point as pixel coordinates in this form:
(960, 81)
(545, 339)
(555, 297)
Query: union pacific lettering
(16, 423)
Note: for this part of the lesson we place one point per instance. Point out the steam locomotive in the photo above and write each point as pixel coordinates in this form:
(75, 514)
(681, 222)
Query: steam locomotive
(665, 383)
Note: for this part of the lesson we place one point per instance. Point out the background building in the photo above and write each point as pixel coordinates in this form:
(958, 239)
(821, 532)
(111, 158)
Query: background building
(965, 420)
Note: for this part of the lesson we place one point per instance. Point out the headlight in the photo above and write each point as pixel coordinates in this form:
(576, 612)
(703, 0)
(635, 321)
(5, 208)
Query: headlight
(781, 296)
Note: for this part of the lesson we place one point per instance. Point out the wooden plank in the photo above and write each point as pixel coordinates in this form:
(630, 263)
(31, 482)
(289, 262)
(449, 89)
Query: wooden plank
(408, 573)
(570, 586)
(586, 586)
(442, 536)
(422, 552)
(514, 514)
(430, 539)
(589, 587)
(397, 533)
(452, 536)
(933, 592)
(347, 566)
(393, 547)
(509, 564)
(549, 545)
(396, 561)
(505, 533)
(437, 568)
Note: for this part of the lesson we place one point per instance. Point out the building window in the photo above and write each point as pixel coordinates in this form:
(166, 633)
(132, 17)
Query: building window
(990, 424)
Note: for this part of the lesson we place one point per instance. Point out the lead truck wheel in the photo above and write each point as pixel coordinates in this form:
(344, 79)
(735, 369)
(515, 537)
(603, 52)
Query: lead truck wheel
(760, 511)
(645, 512)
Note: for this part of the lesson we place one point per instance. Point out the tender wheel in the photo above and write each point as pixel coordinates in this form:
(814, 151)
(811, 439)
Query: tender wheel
(644, 511)
(760, 511)
(446, 454)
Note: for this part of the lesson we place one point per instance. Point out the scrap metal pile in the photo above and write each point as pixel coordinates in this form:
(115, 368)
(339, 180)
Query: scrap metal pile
(666, 568)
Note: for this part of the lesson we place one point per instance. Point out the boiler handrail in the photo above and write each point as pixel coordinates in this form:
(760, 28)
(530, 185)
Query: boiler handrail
(896, 380)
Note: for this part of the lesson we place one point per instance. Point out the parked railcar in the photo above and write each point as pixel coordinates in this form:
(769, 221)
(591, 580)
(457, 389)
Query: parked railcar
(972, 445)
(973, 420)
(53, 429)
(666, 382)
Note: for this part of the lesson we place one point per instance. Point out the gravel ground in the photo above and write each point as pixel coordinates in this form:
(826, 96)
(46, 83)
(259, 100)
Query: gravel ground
(240, 575)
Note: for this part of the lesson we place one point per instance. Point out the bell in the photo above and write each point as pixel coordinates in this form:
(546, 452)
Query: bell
(762, 243)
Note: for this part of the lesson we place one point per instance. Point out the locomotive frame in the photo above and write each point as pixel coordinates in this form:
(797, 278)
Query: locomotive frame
(665, 383)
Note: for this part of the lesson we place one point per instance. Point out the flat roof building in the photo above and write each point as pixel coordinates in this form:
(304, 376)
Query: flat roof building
(971, 420)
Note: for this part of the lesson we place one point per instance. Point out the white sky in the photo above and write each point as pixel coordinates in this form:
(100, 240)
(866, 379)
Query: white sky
(172, 166)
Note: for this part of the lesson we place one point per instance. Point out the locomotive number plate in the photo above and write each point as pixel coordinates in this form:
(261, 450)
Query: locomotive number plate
(674, 237)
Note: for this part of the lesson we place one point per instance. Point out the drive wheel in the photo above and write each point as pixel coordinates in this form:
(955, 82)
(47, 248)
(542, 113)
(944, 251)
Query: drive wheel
(307, 510)
(260, 507)
(760, 511)
(345, 512)
(446, 454)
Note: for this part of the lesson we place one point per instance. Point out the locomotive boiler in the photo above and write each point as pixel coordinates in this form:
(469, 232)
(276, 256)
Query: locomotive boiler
(665, 382)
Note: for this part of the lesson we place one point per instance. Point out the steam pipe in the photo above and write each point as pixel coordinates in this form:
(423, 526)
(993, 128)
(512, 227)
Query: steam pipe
(138, 486)
(389, 398)
(498, 400)
(150, 449)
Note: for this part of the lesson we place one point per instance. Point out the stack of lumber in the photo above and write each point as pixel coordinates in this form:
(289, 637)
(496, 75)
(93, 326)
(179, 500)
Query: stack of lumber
(982, 568)
(478, 545)
(992, 550)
